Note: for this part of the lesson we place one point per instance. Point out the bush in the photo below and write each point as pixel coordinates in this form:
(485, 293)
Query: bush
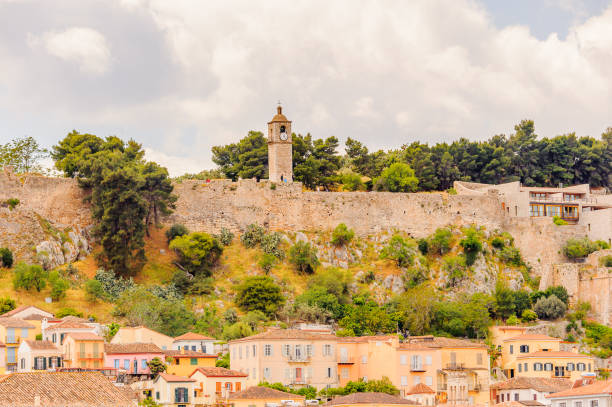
(12, 203)
(513, 320)
(498, 242)
(455, 268)
(6, 257)
(59, 286)
(93, 290)
(270, 244)
(226, 237)
(259, 293)
(550, 308)
(471, 246)
(602, 244)
(266, 262)
(197, 252)
(440, 242)
(29, 276)
(342, 235)
(579, 248)
(606, 261)
(558, 291)
(304, 257)
(7, 304)
(398, 177)
(558, 221)
(352, 182)
(529, 316)
(400, 250)
(176, 230)
(113, 286)
(512, 256)
(252, 235)
(64, 312)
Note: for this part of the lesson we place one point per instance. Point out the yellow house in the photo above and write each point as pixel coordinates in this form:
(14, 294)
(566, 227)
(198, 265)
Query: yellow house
(84, 350)
(31, 314)
(12, 332)
(184, 362)
(556, 364)
(259, 396)
(215, 384)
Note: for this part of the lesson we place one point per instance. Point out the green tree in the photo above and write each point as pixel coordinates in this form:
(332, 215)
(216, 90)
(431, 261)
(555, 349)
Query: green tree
(304, 257)
(223, 361)
(246, 159)
(157, 192)
(440, 242)
(198, 252)
(7, 304)
(342, 235)
(259, 293)
(59, 286)
(112, 330)
(416, 309)
(550, 307)
(94, 290)
(351, 181)
(366, 317)
(315, 161)
(29, 276)
(399, 177)
(399, 249)
(24, 154)
(6, 257)
(471, 246)
(156, 366)
(504, 300)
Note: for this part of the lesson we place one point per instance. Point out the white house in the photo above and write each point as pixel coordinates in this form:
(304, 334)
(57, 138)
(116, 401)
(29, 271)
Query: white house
(195, 342)
(598, 394)
(528, 389)
(38, 355)
(55, 330)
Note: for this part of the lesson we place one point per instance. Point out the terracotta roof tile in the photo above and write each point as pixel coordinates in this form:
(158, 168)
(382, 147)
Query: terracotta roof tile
(84, 336)
(119, 348)
(288, 334)
(41, 345)
(600, 387)
(218, 372)
(11, 322)
(532, 337)
(174, 378)
(370, 398)
(544, 384)
(61, 389)
(69, 325)
(187, 354)
(192, 336)
(22, 308)
(263, 393)
(420, 389)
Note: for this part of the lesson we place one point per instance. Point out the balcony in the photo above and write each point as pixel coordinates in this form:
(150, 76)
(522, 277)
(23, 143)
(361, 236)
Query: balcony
(558, 199)
(455, 366)
(300, 380)
(346, 361)
(92, 356)
(298, 358)
(417, 368)
(12, 340)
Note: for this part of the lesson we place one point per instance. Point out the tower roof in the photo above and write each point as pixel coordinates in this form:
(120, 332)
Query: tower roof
(279, 117)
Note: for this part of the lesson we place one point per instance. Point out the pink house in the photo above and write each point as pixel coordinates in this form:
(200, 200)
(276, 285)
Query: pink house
(131, 357)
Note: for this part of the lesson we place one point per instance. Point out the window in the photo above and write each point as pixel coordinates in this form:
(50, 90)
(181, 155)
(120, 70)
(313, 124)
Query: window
(516, 396)
(561, 404)
(536, 210)
(116, 364)
(186, 347)
(416, 363)
(96, 352)
(327, 350)
(143, 363)
(126, 364)
(537, 367)
(571, 367)
(520, 368)
(570, 211)
(538, 196)
(239, 352)
(329, 372)
(364, 359)
(428, 359)
(82, 350)
(181, 395)
(403, 360)
(254, 350)
(54, 338)
(589, 367)
(404, 381)
(548, 367)
(502, 397)
(266, 372)
(157, 395)
(247, 351)
(193, 347)
(286, 350)
(525, 367)
(581, 367)
(267, 350)
(345, 372)
(309, 351)
(524, 349)
(479, 358)
(429, 380)
(553, 210)
(416, 380)
(193, 361)
(594, 403)
(23, 363)
(578, 404)
(511, 349)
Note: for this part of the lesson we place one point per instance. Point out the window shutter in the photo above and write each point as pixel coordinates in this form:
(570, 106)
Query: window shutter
(35, 363)
(44, 360)
(176, 395)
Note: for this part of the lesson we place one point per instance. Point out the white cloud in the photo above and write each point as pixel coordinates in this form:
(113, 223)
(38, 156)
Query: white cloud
(81, 45)
(176, 165)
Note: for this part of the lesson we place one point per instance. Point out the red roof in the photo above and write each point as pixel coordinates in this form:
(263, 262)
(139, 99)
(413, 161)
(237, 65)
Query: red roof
(174, 378)
(192, 336)
(420, 388)
(218, 372)
(84, 336)
(599, 387)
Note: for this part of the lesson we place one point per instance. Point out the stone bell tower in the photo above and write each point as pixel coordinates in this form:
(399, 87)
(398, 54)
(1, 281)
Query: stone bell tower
(280, 149)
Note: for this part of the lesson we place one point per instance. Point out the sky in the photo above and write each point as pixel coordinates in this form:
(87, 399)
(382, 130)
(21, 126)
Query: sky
(182, 76)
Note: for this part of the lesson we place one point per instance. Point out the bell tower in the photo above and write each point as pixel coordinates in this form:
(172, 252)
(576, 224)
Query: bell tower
(280, 148)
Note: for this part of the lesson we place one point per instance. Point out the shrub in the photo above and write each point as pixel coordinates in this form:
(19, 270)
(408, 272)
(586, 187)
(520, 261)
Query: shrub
(441, 241)
(451, 191)
(64, 312)
(455, 268)
(471, 246)
(550, 308)
(270, 244)
(511, 255)
(342, 235)
(252, 235)
(197, 252)
(558, 291)
(398, 177)
(423, 246)
(579, 248)
(6, 257)
(602, 244)
(400, 250)
(529, 316)
(113, 286)
(304, 257)
(12, 203)
(7, 304)
(606, 261)
(498, 242)
(93, 290)
(266, 262)
(259, 293)
(352, 182)
(29, 276)
(226, 237)
(513, 320)
(558, 221)
(59, 286)
(272, 186)
(175, 231)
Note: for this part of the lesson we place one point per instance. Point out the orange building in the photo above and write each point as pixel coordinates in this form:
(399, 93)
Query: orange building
(83, 349)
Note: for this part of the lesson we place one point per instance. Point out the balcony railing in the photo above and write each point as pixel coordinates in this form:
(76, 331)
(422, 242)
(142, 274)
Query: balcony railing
(12, 340)
(455, 366)
(90, 355)
(300, 380)
(298, 358)
(346, 361)
(558, 199)
(417, 368)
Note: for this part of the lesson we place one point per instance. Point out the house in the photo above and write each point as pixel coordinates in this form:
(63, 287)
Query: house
(38, 355)
(184, 362)
(31, 314)
(141, 334)
(214, 384)
(422, 394)
(172, 390)
(83, 350)
(55, 389)
(14, 330)
(259, 396)
(598, 394)
(292, 357)
(370, 399)
(528, 389)
(131, 357)
(55, 330)
(195, 342)
(537, 355)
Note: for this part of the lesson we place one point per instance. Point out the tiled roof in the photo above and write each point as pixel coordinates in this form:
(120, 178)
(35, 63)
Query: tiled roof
(370, 398)
(191, 336)
(544, 384)
(187, 354)
(261, 392)
(420, 342)
(61, 389)
(532, 337)
(41, 345)
(361, 339)
(288, 334)
(420, 389)
(520, 403)
(552, 354)
(118, 348)
(84, 336)
(174, 378)
(15, 323)
(22, 308)
(70, 324)
(600, 387)
(218, 372)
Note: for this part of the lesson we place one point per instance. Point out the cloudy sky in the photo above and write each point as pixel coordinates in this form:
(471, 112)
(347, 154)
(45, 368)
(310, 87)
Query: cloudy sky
(180, 76)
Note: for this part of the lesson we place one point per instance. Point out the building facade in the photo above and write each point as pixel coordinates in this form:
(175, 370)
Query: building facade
(38, 355)
(216, 384)
(528, 389)
(185, 362)
(598, 394)
(131, 357)
(13, 331)
(141, 334)
(195, 342)
(83, 350)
